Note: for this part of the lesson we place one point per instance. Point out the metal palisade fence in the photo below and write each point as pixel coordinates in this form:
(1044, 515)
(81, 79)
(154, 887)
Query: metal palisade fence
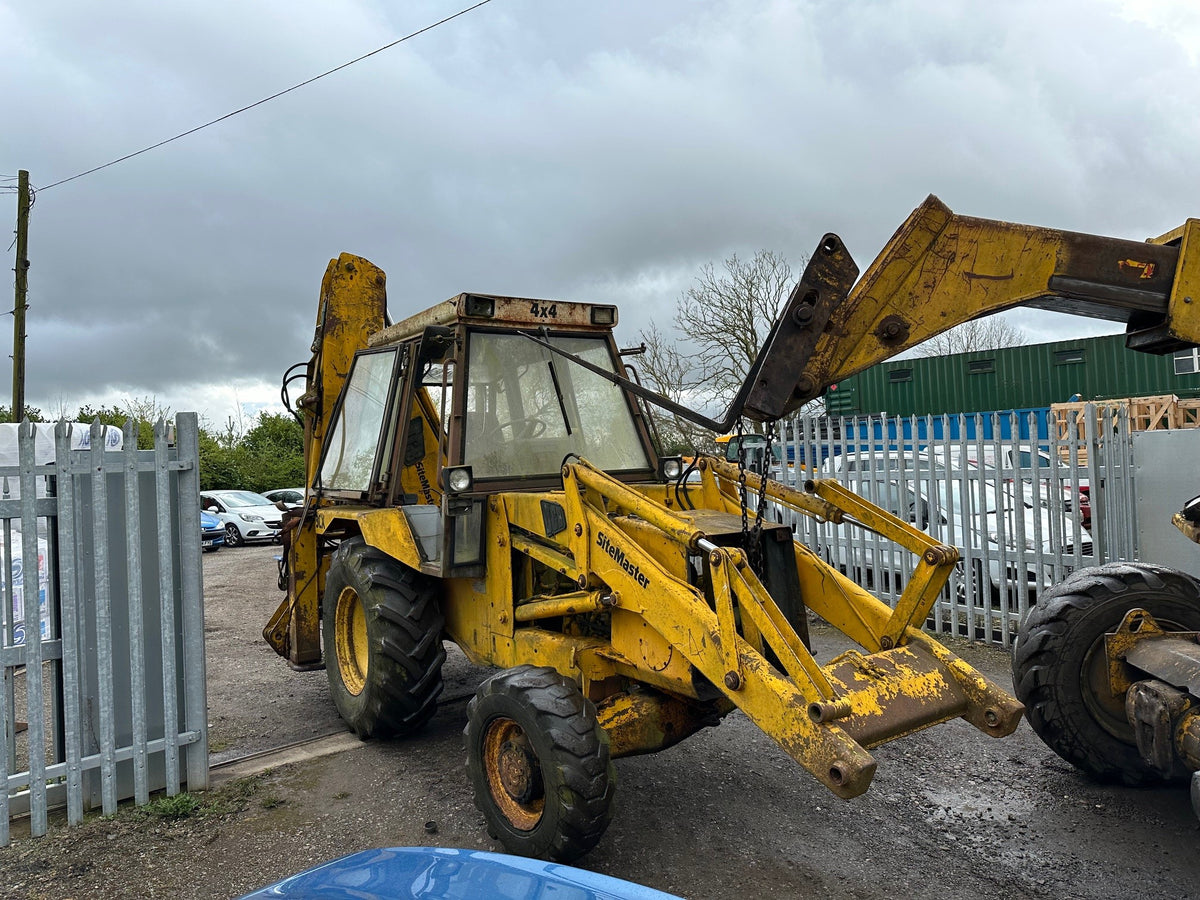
(101, 620)
(1024, 509)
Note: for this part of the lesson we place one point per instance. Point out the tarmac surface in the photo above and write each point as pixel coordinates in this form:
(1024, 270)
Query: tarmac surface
(951, 813)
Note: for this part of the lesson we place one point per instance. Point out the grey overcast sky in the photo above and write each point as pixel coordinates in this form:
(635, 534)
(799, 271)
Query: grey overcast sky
(597, 151)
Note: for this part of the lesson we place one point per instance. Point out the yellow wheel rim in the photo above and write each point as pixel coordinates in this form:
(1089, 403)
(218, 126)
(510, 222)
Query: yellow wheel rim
(350, 637)
(514, 774)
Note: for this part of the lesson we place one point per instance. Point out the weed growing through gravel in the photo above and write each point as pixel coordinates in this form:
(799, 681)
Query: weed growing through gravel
(230, 798)
(181, 806)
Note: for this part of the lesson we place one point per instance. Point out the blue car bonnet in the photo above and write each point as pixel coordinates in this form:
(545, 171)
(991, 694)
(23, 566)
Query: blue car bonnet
(432, 873)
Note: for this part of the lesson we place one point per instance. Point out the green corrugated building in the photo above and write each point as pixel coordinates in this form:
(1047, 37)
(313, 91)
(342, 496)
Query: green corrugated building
(1030, 377)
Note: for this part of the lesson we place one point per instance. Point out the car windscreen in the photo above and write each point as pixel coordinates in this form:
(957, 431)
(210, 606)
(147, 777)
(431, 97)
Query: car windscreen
(242, 499)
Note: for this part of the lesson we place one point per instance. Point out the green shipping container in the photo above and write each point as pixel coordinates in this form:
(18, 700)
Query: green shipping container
(1098, 368)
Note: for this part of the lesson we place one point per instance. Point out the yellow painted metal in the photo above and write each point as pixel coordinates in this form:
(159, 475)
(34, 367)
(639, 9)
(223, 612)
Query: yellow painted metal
(893, 693)
(929, 687)
(807, 503)
(680, 613)
(1184, 304)
(941, 269)
(479, 611)
(769, 624)
(647, 721)
(421, 478)
(1137, 626)
(840, 601)
(353, 305)
(351, 650)
(294, 631)
(937, 560)
(635, 640)
(467, 606)
(721, 564)
(385, 529)
(550, 557)
(573, 604)
(638, 504)
(990, 708)
(666, 552)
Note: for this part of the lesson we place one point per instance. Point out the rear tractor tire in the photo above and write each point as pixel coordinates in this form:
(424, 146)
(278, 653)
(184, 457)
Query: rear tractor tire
(539, 764)
(381, 626)
(1060, 670)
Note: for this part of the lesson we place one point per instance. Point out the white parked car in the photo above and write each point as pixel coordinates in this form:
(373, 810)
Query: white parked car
(247, 516)
(1056, 487)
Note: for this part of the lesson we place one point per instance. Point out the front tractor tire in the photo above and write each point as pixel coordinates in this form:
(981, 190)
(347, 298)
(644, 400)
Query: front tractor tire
(1060, 669)
(381, 626)
(539, 764)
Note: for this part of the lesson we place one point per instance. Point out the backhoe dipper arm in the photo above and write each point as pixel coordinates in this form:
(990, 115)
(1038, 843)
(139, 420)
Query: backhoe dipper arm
(940, 270)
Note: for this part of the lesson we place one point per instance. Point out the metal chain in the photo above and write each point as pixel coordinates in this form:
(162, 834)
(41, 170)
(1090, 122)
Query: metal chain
(739, 434)
(754, 537)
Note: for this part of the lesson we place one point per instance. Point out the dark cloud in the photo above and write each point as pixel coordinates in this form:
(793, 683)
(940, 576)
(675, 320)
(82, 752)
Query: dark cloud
(604, 151)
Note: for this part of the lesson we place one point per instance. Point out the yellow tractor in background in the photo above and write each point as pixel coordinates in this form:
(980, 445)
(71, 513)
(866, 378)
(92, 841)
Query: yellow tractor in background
(483, 472)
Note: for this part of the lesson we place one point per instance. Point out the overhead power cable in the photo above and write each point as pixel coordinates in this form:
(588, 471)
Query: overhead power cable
(294, 87)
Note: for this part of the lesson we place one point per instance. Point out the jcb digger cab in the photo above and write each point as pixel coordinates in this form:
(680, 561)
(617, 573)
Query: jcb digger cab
(437, 417)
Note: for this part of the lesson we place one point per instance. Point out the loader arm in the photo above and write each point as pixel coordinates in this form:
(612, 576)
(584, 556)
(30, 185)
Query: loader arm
(825, 717)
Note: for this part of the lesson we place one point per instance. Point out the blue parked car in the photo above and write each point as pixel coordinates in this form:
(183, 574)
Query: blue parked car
(212, 531)
(435, 873)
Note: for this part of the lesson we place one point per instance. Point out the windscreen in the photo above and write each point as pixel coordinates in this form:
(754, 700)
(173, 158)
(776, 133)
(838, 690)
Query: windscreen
(527, 408)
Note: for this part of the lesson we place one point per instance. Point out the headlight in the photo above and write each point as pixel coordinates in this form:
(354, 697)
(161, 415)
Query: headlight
(249, 517)
(459, 479)
(671, 467)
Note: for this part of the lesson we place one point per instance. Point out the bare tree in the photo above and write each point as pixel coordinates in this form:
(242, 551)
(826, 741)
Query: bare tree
(726, 315)
(991, 333)
(722, 319)
(669, 371)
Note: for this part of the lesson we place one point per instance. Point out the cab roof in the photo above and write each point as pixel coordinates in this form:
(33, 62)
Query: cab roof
(493, 309)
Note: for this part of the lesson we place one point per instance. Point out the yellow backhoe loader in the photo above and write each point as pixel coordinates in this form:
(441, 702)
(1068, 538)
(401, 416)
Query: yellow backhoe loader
(483, 472)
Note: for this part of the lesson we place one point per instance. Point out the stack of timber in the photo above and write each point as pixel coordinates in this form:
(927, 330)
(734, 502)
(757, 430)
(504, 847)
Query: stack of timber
(1144, 414)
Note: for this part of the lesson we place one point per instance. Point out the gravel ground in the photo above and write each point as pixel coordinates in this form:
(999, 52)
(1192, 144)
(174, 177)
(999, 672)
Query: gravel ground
(951, 813)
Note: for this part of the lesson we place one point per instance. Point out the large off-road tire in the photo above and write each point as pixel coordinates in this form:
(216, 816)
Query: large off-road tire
(1060, 670)
(539, 764)
(381, 625)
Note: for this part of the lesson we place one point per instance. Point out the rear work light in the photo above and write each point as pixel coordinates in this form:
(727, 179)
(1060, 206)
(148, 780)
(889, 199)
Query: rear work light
(483, 307)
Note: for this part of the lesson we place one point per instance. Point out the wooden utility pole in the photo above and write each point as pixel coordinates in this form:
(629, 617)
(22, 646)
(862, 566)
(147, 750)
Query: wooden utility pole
(22, 283)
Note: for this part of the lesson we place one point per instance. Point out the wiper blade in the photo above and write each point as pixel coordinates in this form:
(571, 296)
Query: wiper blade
(562, 404)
